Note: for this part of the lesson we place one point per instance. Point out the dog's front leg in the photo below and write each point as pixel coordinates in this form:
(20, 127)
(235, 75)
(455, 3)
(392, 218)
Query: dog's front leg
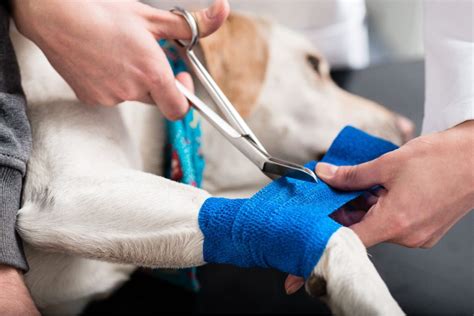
(347, 280)
(126, 217)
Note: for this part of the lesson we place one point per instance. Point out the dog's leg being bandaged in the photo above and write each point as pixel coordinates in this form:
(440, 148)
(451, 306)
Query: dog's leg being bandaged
(128, 216)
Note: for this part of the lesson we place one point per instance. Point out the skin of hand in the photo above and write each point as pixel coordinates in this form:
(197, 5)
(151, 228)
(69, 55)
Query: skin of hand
(107, 51)
(14, 296)
(428, 186)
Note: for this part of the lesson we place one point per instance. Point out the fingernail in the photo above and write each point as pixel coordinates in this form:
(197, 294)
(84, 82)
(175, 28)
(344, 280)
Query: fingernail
(211, 12)
(293, 286)
(326, 170)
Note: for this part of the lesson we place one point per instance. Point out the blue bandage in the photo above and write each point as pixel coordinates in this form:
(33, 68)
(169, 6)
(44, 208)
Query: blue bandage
(286, 225)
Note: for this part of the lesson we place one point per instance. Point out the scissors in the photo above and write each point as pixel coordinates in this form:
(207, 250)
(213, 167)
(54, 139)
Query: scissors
(236, 131)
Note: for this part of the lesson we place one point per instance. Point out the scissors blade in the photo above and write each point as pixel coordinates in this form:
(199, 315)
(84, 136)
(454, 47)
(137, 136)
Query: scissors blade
(275, 168)
(220, 99)
(272, 167)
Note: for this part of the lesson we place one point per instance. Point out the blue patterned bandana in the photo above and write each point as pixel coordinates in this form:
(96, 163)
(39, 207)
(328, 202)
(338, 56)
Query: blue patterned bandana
(184, 162)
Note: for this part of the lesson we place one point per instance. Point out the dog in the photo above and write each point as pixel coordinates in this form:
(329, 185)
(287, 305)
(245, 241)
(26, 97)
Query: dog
(95, 205)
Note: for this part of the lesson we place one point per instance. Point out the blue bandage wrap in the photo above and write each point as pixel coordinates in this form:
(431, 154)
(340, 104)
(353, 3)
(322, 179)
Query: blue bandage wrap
(286, 225)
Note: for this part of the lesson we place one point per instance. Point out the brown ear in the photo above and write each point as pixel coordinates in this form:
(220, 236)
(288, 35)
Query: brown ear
(236, 57)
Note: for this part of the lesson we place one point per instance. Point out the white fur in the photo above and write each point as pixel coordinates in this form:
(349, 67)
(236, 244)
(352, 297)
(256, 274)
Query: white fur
(352, 283)
(95, 207)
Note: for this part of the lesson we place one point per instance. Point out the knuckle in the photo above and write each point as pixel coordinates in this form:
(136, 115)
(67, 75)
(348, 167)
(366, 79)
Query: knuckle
(159, 79)
(385, 167)
(128, 94)
(349, 174)
(401, 224)
(109, 102)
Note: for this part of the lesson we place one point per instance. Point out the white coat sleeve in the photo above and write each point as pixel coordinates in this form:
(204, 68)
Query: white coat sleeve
(449, 51)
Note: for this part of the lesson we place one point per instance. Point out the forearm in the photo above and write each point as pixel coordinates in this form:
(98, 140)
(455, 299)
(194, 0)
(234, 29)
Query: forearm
(14, 296)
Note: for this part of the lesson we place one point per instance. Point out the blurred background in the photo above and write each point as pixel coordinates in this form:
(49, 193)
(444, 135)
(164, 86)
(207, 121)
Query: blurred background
(353, 33)
(375, 48)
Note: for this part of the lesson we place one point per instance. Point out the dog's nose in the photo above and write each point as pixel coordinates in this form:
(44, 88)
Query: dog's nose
(406, 127)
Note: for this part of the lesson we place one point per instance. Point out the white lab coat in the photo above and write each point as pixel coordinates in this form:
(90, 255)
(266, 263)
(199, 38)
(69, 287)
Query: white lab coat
(449, 51)
(337, 28)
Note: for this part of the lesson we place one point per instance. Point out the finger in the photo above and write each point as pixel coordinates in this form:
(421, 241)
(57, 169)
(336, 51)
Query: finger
(186, 79)
(370, 230)
(163, 90)
(358, 177)
(293, 284)
(168, 25)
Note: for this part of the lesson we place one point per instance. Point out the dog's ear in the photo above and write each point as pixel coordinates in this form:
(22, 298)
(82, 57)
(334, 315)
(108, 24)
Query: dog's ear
(236, 57)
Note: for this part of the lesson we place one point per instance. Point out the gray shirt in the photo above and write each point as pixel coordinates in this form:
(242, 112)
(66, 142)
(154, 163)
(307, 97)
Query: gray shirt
(15, 146)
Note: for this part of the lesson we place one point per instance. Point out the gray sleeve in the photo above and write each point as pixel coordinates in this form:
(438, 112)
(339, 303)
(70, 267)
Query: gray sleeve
(15, 146)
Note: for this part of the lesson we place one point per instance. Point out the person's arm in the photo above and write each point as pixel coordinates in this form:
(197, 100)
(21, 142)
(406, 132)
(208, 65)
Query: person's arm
(15, 143)
(429, 182)
(107, 51)
(14, 296)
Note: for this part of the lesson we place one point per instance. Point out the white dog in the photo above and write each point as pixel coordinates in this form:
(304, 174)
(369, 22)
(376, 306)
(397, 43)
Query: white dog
(95, 206)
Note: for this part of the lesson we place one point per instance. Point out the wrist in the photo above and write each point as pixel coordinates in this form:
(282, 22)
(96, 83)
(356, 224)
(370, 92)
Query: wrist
(25, 14)
(462, 139)
(39, 20)
(9, 274)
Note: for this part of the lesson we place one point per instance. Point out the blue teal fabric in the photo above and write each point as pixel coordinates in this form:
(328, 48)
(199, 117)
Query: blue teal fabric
(184, 162)
(286, 225)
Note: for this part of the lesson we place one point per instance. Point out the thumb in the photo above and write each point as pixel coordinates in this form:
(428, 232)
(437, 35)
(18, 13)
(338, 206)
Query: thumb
(358, 177)
(167, 25)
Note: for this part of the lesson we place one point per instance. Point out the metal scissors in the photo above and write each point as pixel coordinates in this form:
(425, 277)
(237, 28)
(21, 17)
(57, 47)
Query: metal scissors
(236, 131)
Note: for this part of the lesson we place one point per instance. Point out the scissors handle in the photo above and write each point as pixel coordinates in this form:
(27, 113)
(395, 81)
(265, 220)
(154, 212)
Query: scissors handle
(219, 98)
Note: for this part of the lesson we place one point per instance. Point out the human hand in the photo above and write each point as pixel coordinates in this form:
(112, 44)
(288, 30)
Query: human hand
(108, 52)
(14, 296)
(428, 185)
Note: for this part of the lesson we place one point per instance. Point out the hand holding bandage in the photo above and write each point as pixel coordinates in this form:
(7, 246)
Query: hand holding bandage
(286, 225)
(428, 185)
